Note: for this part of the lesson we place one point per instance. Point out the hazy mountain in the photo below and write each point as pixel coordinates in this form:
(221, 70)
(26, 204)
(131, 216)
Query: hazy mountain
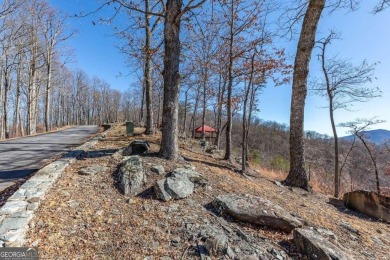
(377, 136)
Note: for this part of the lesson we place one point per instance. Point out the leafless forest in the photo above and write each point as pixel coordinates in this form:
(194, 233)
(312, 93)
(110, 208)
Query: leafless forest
(226, 55)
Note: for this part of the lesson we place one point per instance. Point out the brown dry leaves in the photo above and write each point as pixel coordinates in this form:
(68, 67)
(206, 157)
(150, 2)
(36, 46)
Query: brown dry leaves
(86, 217)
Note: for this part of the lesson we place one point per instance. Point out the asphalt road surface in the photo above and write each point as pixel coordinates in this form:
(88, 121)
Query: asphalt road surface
(23, 156)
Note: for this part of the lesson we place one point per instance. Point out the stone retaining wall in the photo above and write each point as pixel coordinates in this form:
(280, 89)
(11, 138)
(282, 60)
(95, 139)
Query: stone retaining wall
(19, 209)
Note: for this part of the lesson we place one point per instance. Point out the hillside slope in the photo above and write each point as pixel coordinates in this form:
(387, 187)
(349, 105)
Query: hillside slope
(88, 217)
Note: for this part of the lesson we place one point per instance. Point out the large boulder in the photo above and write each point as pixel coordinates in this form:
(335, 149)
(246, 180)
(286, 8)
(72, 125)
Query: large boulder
(136, 147)
(256, 210)
(132, 176)
(319, 244)
(173, 187)
(369, 203)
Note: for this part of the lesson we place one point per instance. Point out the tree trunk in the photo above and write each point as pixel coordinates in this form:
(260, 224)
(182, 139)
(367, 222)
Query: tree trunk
(147, 74)
(373, 160)
(330, 94)
(16, 122)
(47, 94)
(204, 106)
(221, 94)
(245, 120)
(336, 152)
(185, 115)
(7, 81)
(297, 176)
(228, 148)
(170, 116)
(193, 119)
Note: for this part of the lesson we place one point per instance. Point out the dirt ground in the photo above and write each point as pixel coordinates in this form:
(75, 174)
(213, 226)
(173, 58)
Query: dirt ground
(87, 217)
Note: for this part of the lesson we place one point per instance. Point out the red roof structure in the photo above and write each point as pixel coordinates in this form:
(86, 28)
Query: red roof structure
(207, 129)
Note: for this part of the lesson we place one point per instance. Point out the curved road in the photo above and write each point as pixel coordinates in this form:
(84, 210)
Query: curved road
(22, 156)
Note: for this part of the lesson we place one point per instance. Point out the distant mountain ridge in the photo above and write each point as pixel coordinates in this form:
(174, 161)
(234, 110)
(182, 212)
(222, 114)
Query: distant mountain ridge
(377, 136)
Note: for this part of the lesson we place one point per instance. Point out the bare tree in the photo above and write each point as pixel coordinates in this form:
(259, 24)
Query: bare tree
(342, 85)
(54, 34)
(358, 128)
(382, 5)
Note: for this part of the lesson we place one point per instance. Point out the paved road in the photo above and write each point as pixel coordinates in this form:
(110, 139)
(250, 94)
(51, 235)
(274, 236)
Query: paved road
(23, 156)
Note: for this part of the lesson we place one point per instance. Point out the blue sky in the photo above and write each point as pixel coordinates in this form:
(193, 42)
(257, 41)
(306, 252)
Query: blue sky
(364, 36)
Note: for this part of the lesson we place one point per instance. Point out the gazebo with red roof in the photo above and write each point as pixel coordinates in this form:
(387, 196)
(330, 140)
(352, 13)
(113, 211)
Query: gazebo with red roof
(209, 132)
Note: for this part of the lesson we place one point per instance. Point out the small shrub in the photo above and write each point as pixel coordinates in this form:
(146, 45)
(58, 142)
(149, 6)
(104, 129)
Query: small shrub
(254, 157)
(280, 163)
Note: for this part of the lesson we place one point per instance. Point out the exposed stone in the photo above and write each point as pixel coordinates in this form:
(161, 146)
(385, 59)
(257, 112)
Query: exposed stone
(369, 203)
(132, 176)
(189, 167)
(13, 206)
(256, 210)
(92, 170)
(136, 147)
(216, 242)
(317, 246)
(158, 169)
(74, 204)
(336, 202)
(349, 228)
(191, 174)
(176, 186)
(115, 212)
(160, 192)
(179, 187)
(118, 155)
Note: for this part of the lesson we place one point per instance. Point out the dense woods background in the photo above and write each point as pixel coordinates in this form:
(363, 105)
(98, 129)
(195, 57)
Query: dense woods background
(227, 56)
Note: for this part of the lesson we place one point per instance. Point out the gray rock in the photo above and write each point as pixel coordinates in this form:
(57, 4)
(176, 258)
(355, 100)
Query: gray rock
(191, 174)
(118, 155)
(349, 228)
(179, 187)
(316, 246)
(216, 241)
(74, 204)
(173, 208)
(173, 187)
(230, 252)
(369, 203)
(256, 210)
(159, 190)
(190, 167)
(158, 169)
(92, 170)
(136, 147)
(132, 176)
(115, 212)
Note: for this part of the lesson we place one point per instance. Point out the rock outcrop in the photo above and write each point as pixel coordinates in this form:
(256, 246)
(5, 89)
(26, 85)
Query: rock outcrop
(370, 203)
(319, 244)
(256, 210)
(132, 176)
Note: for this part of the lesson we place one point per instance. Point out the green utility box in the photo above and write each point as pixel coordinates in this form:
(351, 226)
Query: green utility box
(130, 128)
